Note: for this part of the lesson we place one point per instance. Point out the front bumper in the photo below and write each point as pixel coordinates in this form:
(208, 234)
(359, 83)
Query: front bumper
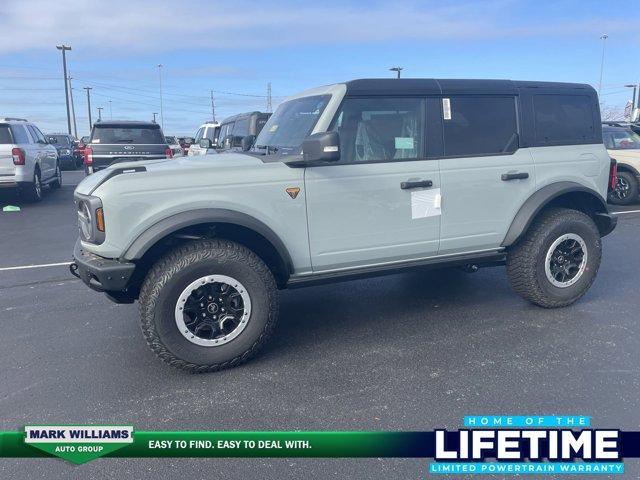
(98, 273)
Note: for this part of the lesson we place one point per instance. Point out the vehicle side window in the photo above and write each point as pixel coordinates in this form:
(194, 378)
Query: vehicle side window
(32, 134)
(199, 135)
(479, 125)
(563, 119)
(210, 133)
(39, 134)
(380, 129)
(19, 134)
(241, 128)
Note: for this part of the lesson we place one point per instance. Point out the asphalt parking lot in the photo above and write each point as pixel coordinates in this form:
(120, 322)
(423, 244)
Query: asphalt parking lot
(413, 351)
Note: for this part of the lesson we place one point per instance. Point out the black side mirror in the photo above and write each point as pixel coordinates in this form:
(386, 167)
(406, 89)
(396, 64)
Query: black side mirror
(321, 147)
(205, 143)
(247, 142)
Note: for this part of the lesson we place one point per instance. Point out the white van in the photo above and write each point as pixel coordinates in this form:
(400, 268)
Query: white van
(208, 130)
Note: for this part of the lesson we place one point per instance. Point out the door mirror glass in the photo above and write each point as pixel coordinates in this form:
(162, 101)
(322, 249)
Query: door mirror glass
(321, 147)
(205, 143)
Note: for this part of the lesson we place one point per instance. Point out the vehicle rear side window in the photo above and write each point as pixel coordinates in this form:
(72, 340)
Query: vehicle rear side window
(5, 135)
(210, 133)
(199, 134)
(380, 129)
(479, 125)
(563, 119)
(140, 134)
(20, 135)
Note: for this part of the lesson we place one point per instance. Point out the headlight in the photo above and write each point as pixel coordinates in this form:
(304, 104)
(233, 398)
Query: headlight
(91, 224)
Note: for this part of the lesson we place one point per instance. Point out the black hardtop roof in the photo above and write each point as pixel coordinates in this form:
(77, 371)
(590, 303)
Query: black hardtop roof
(615, 128)
(432, 86)
(128, 123)
(240, 115)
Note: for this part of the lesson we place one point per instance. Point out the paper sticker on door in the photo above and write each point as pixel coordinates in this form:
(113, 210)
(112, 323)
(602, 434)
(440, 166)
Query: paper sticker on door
(404, 143)
(425, 203)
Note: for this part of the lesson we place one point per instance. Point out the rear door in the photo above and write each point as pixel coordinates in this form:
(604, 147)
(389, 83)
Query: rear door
(379, 203)
(485, 176)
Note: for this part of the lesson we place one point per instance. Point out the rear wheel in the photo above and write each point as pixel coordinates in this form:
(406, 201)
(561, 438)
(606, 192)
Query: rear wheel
(626, 189)
(208, 305)
(33, 190)
(557, 260)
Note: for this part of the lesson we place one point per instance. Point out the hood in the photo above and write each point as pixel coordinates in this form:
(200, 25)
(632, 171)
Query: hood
(633, 153)
(172, 166)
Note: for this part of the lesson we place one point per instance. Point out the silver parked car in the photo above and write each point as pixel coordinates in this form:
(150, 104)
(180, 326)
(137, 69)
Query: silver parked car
(27, 160)
(366, 177)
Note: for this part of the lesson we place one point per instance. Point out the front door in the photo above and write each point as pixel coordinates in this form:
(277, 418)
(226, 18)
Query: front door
(380, 202)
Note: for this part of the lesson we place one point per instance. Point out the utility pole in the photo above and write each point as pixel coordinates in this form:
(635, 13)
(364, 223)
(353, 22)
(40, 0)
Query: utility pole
(154, 116)
(64, 49)
(73, 110)
(396, 69)
(100, 113)
(604, 42)
(213, 108)
(110, 111)
(269, 104)
(160, 78)
(89, 106)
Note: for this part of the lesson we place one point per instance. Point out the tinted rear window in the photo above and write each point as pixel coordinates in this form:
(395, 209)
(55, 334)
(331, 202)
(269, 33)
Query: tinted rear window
(563, 119)
(5, 135)
(479, 125)
(141, 134)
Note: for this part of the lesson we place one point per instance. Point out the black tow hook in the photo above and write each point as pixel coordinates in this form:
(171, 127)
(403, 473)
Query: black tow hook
(73, 268)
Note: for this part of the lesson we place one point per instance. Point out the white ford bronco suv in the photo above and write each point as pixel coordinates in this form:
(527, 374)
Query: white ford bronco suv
(360, 178)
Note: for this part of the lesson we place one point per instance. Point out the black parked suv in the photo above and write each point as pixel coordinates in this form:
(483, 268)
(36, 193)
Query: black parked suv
(124, 141)
(65, 145)
(239, 131)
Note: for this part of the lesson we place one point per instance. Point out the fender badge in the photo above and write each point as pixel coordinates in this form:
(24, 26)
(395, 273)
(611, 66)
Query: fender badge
(293, 192)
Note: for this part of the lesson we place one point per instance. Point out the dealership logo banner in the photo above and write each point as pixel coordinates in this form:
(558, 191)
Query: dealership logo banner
(506, 445)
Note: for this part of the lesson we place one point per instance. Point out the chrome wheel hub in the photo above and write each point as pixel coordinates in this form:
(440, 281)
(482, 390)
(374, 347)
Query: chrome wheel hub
(566, 260)
(213, 310)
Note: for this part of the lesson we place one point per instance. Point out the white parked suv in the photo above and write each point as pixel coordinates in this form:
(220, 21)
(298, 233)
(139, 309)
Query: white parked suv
(27, 160)
(208, 130)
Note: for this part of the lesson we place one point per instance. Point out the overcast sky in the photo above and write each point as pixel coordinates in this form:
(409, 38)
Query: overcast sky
(236, 48)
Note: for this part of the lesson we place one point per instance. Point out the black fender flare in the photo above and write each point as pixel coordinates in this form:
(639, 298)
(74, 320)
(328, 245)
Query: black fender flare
(182, 220)
(626, 167)
(541, 198)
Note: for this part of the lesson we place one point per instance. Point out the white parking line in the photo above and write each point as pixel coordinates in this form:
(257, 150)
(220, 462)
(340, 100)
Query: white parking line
(43, 265)
(628, 211)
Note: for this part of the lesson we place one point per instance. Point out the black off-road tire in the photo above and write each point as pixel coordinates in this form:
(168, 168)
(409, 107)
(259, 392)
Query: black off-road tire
(526, 260)
(33, 191)
(630, 189)
(57, 183)
(174, 272)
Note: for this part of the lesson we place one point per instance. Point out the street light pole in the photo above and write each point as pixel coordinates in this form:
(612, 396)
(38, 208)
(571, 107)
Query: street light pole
(110, 111)
(100, 113)
(73, 109)
(396, 69)
(89, 106)
(604, 42)
(64, 49)
(160, 78)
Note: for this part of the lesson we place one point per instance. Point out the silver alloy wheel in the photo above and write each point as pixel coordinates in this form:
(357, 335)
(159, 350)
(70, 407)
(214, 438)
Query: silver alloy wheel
(566, 260)
(213, 310)
(622, 188)
(37, 186)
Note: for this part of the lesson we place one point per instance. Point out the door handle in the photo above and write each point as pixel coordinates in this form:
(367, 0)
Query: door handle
(514, 176)
(416, 184)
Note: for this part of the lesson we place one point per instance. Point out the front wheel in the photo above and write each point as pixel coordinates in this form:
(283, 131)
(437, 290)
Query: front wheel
(626, 189)
(208, 305)
(557, 260)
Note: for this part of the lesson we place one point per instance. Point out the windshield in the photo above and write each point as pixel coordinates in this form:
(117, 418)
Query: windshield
(292, 122)
(58, 139)
(142, 134)
(621, 139)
